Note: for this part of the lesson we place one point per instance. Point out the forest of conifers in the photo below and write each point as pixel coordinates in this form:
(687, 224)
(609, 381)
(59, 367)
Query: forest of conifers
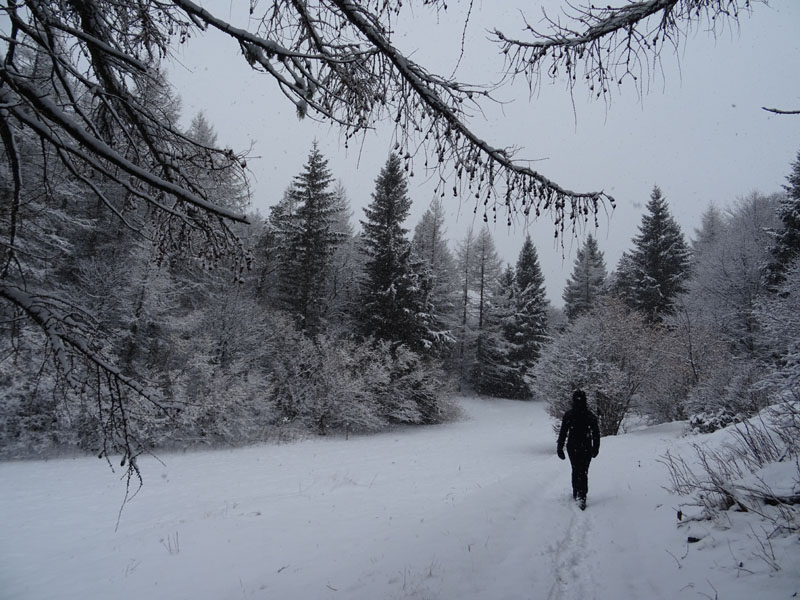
(332, 322)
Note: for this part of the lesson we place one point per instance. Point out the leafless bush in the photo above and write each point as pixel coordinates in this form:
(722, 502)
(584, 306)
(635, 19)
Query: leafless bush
(730, 475)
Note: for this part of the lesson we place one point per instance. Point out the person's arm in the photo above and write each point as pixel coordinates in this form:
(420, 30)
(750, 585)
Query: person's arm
(562, 436)
(595, 438)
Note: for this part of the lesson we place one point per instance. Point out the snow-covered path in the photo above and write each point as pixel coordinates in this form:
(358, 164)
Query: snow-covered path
(481, 508)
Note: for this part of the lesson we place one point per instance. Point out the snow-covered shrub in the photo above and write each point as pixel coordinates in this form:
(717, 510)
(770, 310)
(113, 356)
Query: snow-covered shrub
(416, 392)
(31, 411)
(216, 407)
(43, 413)
(662, 397)
(706, 422)
(733, 392)
(325, 384)
(754, 464)
(611, 353)
(317, 384)
(328, 384)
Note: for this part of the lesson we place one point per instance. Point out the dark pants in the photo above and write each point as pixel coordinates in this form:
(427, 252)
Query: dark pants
(580, 474)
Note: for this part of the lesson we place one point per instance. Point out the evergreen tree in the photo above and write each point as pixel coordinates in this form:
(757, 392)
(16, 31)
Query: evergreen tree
(498, 373)
(531, 304)
(488, 267)
(395, 292)
(346, 266)
(712, 227)
(587, 281)
(466, 336)
(787, 243)
(223, 185)
(487, 372)
(526, 330)
(659, 265)
(506, 288)
(308, 241)
(621, 279)
(430, 246)
(270, 251)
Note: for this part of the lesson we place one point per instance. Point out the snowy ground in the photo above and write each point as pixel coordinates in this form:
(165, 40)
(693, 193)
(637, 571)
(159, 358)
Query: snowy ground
(479, 509)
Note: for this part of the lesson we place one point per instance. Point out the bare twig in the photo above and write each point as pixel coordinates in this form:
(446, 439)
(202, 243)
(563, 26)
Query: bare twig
(778, 111)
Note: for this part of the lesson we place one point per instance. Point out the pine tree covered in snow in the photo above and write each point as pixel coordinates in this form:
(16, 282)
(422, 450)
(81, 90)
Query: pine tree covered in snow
(787, 243)
(487, 311)
(395, 290)
(587, 282)
(526, 329)
(309, 242)
(499, 348)
(531, 304)
(620, 280)
(659, 264)
(271, 249)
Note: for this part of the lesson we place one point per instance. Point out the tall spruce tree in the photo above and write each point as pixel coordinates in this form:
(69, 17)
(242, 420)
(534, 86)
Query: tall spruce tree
(395, 292)
(526, 330)
(787, 242)
(531, 304)
(503, 316)
(587, 282)
(309, 240)
(659, 266)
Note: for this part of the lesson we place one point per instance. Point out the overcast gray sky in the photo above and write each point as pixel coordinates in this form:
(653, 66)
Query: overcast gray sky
(698, 132)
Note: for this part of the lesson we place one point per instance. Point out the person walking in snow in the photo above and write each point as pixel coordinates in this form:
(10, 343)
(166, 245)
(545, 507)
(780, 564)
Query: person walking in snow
(582, 435)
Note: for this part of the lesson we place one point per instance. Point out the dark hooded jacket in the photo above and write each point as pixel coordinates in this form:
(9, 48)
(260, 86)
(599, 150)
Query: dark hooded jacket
(580, 431)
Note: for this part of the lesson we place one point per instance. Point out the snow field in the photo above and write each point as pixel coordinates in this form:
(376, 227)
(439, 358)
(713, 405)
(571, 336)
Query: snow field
(481, 508)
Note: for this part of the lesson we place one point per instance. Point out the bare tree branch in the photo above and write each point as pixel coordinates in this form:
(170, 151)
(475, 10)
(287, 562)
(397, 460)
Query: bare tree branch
(68, 333)
(778, 111)
(611, 43)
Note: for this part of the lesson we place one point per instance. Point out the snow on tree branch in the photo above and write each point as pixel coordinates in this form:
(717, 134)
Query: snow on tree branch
(88, 107)
(84, 369)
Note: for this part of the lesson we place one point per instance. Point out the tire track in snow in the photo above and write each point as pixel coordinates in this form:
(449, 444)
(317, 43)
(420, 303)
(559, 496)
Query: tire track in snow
(572, 567)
